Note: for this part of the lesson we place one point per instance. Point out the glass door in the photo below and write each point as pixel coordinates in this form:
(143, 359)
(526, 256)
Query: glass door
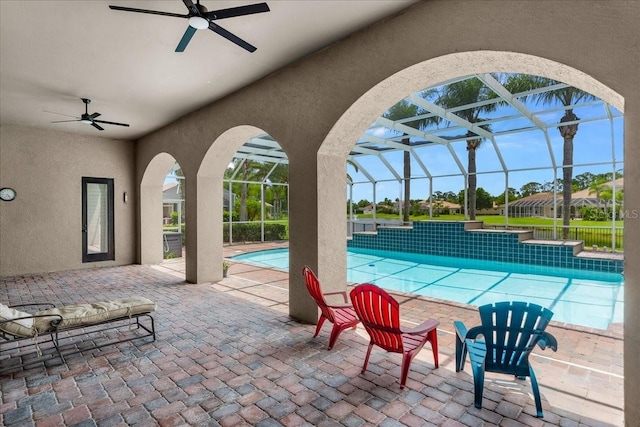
(97, 220)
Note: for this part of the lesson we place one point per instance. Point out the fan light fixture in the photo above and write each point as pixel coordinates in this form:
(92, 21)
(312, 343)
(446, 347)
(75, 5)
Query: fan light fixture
(89, 119)
(201, 18)
(198, 22)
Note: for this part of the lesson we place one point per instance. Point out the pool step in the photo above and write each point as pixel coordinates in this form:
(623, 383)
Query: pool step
(615, 256)
(523, 235)
(578, 246)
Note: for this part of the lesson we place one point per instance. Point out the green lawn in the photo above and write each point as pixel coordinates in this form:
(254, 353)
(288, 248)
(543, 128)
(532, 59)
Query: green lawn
(497, 219)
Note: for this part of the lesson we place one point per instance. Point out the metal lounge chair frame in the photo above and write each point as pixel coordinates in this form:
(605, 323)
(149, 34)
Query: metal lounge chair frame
(510, 331)
(341, 315)
(379, 313)
(12, 345)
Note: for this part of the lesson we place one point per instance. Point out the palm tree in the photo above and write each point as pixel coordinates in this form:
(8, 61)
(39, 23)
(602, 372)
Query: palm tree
(244, 191)
(249, 170)
(279, 175)
(404, 110)
(464, 92)
(181, 194)
(567, 96)
(607, 196)
(598, 187)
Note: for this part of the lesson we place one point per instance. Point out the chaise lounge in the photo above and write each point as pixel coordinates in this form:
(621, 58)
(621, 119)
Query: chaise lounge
(21, 330)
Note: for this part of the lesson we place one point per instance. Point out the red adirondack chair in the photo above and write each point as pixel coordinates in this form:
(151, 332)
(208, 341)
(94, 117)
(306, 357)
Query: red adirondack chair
(379, 313)
(341, 315)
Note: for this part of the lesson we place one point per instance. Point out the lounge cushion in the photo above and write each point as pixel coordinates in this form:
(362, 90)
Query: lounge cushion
(89, 314)
(16, 326)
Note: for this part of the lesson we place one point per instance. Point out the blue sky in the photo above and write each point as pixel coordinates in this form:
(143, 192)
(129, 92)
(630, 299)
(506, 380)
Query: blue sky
(522, 150)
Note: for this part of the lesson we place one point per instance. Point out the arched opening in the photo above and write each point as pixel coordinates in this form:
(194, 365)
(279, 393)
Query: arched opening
(173, 213)
(255, 201)
(151, 208)
(338, 143)
(208, 229)
(499, 122)
(419, 152)
(341, 139)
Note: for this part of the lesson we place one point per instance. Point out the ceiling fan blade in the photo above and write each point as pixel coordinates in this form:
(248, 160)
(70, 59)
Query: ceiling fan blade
(193, 10)
(95, 115)
(231, 37)
(186, 38)
(153, 12)
(65, 121)
(237, 11)
(60, 114)
(109, 123)
(97, 126)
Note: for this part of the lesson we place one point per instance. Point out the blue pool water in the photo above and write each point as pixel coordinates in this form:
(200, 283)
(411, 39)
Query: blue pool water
(584, 298)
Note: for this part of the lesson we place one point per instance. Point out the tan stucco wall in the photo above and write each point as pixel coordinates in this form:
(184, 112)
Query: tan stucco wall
(41, 230)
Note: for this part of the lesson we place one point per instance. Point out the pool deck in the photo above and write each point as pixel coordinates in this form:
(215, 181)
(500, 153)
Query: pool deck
(228, 354)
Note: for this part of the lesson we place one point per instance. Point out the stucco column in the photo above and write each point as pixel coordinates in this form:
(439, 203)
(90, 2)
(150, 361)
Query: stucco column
(151, 224)
(632, 266)
(209, 220)
(332, 224)
(303, 234)
(203, 230)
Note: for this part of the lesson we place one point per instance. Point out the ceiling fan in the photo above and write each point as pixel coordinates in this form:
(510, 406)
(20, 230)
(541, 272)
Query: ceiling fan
(87, 118)
(200, 18)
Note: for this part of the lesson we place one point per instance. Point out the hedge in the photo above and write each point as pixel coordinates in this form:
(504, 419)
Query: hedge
(252, 232)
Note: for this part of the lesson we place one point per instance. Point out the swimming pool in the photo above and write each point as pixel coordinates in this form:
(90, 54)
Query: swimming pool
(583, 298)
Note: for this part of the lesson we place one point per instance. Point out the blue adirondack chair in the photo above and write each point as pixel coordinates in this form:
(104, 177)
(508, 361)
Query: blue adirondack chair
(510, 331)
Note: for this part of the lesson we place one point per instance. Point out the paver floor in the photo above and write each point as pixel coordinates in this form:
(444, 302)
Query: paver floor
(228, 354)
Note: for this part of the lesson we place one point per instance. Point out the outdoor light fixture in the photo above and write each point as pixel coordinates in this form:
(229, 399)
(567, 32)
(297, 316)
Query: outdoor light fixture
(198, 22)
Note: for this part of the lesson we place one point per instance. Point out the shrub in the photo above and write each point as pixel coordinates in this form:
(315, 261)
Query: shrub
(234, 216)
(595, 214)
(252, 232)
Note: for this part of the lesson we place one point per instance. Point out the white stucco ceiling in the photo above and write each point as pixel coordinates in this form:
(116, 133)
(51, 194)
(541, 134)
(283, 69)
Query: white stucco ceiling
(53, 53)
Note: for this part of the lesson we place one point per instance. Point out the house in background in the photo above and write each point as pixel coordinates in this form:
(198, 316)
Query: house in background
(369, 209)
(592, 194)
(441, 207)
(444, 207)
(493, 210)
(541, 204)
(172, 201)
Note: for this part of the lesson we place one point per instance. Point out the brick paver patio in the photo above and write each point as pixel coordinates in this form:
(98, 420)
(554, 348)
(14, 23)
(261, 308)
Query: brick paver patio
(228, 354)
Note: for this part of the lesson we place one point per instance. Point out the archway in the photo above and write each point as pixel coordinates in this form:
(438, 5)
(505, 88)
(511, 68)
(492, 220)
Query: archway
(207, 230)
(151, 249)
(341, 139)
(336, 146)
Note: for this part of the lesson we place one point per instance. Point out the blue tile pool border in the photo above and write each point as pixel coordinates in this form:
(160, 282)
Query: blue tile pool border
(453, 239)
